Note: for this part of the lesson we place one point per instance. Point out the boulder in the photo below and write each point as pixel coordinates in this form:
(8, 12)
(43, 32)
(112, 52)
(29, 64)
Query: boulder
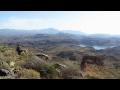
(19, 50)
(89, 59)
(61, 66)
(42, 55)
(4, 72)
(4, 65)
(43, 73)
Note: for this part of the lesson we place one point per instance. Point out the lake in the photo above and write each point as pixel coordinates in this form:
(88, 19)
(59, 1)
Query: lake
(97, 47)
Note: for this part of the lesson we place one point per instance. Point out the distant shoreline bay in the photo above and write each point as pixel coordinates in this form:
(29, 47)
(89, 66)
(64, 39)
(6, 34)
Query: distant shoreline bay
(97, 47)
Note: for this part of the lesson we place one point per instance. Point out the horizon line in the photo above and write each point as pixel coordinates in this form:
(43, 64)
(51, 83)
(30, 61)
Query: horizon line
(58, 30)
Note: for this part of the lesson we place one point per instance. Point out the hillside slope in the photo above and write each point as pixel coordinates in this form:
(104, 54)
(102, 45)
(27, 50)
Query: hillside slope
(101, 72)
(63, 63)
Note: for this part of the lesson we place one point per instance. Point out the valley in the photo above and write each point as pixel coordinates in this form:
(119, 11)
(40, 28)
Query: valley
(58, 56)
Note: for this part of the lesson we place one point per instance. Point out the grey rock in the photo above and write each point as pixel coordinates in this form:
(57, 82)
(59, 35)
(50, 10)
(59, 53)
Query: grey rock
(4, 72)
(61, 66)
(44, 73)
(4, 65)
(43, 56)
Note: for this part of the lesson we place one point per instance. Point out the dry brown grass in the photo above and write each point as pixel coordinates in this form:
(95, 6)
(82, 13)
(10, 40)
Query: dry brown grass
(71, 74)
(7, 58)
(102, 72)
(28, 74)
(11, 53)
(35, 63)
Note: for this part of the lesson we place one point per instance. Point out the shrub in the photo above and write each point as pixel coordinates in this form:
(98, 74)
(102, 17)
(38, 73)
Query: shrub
(4, 48)
(39, 64)
(20, 63)
(71, 74)
(34, 63)
(7, 59)
(27, 54)
(11, 53)
(72, 71)
(28, 74)
(52, 71)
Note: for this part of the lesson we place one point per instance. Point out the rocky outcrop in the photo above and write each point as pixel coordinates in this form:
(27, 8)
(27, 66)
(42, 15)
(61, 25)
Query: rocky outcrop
(6, 72)
(19, 50)
(4, 65)
(90, 60)
(43, 56)
(44, 74)
(61, 66)
(66, 72)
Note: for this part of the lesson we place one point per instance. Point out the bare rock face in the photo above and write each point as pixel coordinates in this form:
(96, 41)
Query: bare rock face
(6, 71)
(90, 60)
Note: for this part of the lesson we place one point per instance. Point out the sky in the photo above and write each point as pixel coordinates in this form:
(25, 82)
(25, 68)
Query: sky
(91, 22)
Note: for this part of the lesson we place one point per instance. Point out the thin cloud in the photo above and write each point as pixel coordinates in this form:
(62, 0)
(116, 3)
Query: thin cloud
(25, 23)
(88, 22)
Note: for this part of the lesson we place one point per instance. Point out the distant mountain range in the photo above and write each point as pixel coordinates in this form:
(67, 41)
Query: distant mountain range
(60, 35)
(15, 32)
(102, 35)
(74, 32)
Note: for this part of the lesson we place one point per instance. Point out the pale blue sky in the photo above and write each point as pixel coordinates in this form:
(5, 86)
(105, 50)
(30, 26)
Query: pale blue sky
(85, 21)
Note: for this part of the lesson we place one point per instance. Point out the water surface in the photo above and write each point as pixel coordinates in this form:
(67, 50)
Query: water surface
(97, 47)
